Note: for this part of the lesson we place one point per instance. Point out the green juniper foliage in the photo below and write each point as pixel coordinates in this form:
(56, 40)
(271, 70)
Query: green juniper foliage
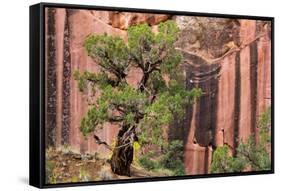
(251, 154)
(222, 161)
(142, 110)
(170, 160)
(155, 100)
(173, 157)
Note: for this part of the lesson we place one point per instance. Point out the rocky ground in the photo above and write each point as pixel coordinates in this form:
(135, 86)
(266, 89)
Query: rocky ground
(67, 166)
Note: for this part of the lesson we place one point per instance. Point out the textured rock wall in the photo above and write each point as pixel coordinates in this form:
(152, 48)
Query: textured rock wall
(66, 31)
(69, 28)
(230, 60)
(235, 82)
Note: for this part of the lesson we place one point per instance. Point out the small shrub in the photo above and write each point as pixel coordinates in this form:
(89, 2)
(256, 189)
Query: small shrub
(51, 176)
(173, 157)
(250, 154)
(170, 162)
(148, 163)
(223, 162)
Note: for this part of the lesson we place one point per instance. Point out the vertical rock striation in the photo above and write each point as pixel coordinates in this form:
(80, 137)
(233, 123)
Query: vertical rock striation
(66, 113)
(228, 59)
(51, 77)
(235, 85)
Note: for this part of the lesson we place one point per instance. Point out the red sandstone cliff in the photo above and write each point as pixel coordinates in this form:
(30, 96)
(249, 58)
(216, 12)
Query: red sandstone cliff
(230, 61)
(236, 85)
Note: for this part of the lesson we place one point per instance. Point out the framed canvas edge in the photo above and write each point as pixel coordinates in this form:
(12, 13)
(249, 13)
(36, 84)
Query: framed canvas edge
(35, 96)
(37, 88)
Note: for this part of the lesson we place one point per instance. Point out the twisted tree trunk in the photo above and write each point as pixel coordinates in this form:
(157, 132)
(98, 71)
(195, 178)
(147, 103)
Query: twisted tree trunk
(123, 152)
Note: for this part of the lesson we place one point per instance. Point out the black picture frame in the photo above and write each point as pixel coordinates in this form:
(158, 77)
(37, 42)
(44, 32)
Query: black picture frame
(37, 94)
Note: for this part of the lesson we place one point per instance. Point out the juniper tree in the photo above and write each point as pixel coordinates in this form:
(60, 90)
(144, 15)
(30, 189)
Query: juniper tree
(140, 111)
(252, 154)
